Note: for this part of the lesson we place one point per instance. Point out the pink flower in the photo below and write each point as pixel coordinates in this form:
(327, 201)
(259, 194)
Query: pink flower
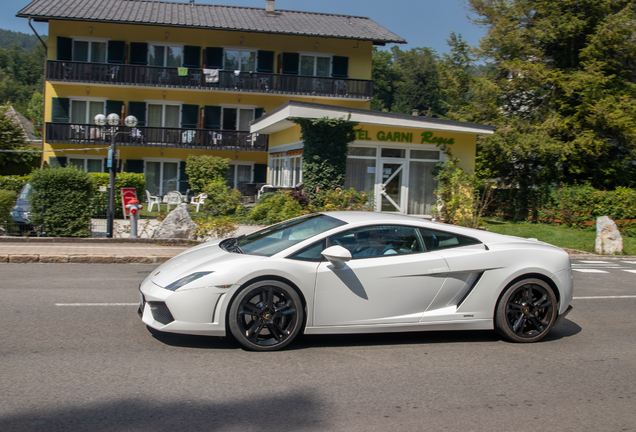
(338, 188)
(317, 189)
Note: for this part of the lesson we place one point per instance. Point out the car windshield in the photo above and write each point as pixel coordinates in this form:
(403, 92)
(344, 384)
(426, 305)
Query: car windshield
(273, 239)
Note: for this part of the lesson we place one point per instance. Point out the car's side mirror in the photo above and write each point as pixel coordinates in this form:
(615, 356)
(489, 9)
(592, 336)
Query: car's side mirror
(337, 255)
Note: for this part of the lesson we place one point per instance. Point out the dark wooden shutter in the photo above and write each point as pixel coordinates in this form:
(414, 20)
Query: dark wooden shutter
(116, 51)
(291, 63)
(184, 183)
(60, 110)
(135, 166)
(64, 48)
(139, 53)
(56, 162)
(192, 56)
(113, 106)
(260, 173)
(138, 109)
(189, 116)
(258, 113)
(340, 67)
(265, 61)
(214, 58)
(212, 117)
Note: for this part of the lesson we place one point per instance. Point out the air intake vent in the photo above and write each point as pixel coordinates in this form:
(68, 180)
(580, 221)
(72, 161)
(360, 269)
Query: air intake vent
(160, 312)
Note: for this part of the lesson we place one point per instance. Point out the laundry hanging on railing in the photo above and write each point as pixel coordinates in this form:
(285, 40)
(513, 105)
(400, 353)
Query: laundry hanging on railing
(211, 75)
(182, 71)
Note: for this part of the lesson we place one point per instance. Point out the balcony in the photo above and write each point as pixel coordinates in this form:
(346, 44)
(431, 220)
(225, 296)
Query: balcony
(199, 139)
(258, 82)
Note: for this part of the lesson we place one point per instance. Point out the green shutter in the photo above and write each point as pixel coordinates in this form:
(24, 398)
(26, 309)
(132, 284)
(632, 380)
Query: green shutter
(135, 166)
(192, 56)
(59, 113)
(214, 58)
(138, 109)
(64, 48)
(212, 117)
(258, 113)
(116, 51)
(189, 116)
(291, 63)
(184, 184)
(260, 173)
(113, 106)
(56, 162)
(340, 67)
(139, 53)
(265, 61)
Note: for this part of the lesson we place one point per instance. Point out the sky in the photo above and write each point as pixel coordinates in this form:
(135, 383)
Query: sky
(423, 23)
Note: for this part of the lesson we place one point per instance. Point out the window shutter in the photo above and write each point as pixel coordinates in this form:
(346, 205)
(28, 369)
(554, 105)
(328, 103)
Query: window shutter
(113, 106)
(340, 67)
(260, 173)
(139, 53)
(258, 113)
(138, 109)
(214, 58)
(59, 113)
(192, 56)
(135, 166)
(189, 116)
(212, 117)
(184, 184)
(265, 61)
(116, 51)
(291, 63)
(56, 162)
(64, 48)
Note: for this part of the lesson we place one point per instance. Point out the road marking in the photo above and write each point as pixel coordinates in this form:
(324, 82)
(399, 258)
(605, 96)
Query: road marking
(629, 262)
(630, 271)
(594, 262)
(96, 304)
(603, 297)
(590, 270)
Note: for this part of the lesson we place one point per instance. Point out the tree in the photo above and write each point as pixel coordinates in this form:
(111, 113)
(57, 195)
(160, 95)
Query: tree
(13, 149)
(385, 78)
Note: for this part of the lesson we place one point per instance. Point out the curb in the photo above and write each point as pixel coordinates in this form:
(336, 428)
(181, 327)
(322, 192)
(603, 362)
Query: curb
(83, 259)
(161, 242)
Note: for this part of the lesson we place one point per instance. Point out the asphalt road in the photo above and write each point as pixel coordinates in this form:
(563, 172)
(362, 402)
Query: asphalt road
(70, 363)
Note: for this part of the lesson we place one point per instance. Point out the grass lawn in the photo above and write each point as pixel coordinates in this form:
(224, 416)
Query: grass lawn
(570, 238)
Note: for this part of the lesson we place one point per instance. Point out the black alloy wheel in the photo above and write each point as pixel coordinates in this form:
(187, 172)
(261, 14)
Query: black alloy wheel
(266, 316)
(527, 311)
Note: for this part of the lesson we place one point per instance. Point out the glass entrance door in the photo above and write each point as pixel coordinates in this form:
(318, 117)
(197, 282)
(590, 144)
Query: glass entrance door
(390, 194)
(161, 177)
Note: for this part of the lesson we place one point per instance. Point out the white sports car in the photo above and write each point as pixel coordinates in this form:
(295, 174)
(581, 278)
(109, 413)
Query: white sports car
(359, 272)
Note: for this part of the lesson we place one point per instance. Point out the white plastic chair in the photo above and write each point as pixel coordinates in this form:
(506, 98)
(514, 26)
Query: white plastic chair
(152, 200)
(173, 198)
(198, 200)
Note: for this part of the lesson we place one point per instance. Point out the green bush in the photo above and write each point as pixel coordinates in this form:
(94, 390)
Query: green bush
(202, 170)
(276, 207)
(122, 180)
(222, 200)
(61, 199)
(342, 200)
(218, 227)
(13, 183)
(7, 201)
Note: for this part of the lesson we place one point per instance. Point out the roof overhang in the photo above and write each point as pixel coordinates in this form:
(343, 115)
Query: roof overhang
(279, 119)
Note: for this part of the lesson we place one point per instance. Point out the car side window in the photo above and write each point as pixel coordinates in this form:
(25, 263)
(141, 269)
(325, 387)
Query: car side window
(436, 240)
(379, 240)
(311, 252)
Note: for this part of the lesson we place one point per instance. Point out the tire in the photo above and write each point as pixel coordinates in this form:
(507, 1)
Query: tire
(266, 316)
(526, 312)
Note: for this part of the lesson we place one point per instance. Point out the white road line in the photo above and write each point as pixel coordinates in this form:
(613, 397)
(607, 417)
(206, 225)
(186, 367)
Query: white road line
(603, 297)
(590, 271)
(629, 262)
(630, 271)
(594, 262)
(96, 304)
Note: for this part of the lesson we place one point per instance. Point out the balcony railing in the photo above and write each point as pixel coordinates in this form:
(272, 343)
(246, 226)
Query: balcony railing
(201, 139)
(220, 80)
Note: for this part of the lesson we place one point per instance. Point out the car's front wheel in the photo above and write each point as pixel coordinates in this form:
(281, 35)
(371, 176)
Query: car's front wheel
(527, 311)
(266, 315)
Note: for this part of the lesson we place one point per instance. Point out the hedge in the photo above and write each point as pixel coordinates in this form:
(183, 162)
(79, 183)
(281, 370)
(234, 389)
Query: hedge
(122, 180)
(13, 182)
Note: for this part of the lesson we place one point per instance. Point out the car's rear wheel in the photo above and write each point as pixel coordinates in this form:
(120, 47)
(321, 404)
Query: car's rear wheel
(266, 315)
(527, 311)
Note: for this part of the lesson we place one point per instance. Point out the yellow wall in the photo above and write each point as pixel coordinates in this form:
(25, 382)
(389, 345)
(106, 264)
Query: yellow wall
(359, 52)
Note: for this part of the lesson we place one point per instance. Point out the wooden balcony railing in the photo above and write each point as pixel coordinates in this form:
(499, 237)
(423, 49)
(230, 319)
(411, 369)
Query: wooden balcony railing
(201, 139)
(220, 80)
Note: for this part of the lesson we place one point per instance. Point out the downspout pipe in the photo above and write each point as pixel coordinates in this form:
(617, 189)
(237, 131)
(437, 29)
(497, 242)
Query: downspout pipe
(36, 33)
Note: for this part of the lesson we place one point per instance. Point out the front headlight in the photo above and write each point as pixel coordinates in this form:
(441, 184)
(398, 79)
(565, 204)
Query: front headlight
(186, 280)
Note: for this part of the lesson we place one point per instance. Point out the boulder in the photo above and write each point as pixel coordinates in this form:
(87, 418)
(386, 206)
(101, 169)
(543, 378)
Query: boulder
(178, 224)
(608, 237)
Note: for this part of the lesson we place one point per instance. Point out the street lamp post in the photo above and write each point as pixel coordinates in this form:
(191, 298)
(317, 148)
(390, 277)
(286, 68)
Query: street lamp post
(113, 121)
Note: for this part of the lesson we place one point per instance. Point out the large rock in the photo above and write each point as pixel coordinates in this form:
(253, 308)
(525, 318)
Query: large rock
(178, 224)
(608, 237)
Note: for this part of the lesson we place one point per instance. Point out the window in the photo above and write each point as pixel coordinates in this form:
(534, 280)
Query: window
(162, 176)
(315, 65)
(286, 169)
(165, 55)
(84, 111)
(361, 163)
(89, 51)
(88, 164)
(435, 240)
(163, 115)
(238, 175)
(241, 60)
(379, 240)
(237, 118)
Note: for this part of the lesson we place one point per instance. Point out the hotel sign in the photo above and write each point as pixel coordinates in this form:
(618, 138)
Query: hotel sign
(425, 137)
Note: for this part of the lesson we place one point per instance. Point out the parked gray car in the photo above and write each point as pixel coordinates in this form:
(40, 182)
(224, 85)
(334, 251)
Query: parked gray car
(21, 212)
